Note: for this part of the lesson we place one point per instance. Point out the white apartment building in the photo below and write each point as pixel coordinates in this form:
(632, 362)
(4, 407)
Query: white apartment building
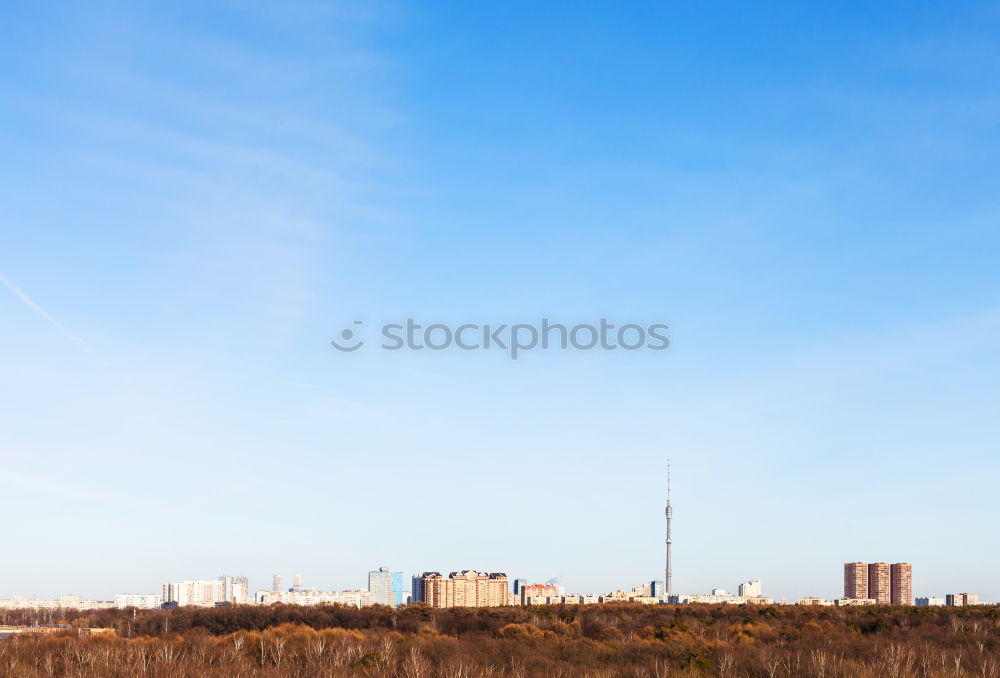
(142, 601)
(357, 598)
(930, 601)
(751, 589)
(719, 596)
(235, 590)
(207, 592)
(199, 592)
(67, 602)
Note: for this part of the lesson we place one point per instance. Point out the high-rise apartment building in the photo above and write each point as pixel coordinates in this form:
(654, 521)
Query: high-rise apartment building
(387, 588)
(235, 590)
(878, 583)
(380, 585)
(461, 589)
(225, 589)
(751, 589)
(276, 582)
(901, 584)
(855, 581)
(205, 593)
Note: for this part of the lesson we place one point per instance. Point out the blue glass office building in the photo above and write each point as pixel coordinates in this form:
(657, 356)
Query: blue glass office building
(399, 592)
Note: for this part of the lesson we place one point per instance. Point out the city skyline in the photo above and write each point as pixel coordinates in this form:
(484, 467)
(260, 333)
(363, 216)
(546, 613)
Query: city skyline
(877, 583)
(880, 582)
(863, 586)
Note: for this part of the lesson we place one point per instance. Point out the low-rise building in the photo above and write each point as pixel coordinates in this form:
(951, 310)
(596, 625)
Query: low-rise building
(142, 601)
(929, 602)
(717, 597)
(69, 601)
(813, 600)
(354, 598)
(961, 599)
(619, 596)
(645, 600)
(533, 591)
(643, 589)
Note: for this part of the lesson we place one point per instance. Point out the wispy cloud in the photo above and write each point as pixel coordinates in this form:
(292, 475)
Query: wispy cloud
(34, 306)
(76, 490)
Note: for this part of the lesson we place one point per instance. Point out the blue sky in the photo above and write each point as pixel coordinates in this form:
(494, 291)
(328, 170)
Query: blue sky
(197, 197)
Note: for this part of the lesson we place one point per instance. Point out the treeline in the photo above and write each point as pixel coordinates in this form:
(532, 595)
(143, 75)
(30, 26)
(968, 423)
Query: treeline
(592, 641)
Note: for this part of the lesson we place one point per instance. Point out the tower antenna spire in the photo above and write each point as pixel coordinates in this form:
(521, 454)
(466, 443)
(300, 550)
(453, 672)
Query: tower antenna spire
(670, 514)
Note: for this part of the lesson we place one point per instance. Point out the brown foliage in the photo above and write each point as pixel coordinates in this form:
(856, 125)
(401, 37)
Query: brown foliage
(594, 641)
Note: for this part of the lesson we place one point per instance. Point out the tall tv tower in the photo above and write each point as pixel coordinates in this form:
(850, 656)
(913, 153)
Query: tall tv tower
(670, 515)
